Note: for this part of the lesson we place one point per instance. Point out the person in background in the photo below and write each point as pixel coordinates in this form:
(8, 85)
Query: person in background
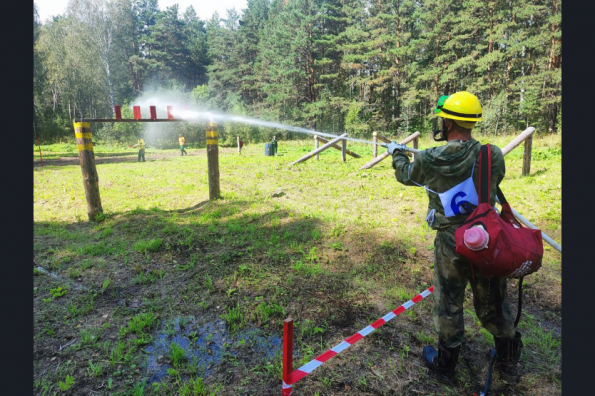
(140, 143)
(274, 144)
(449, 173)
(241, 145)
(182, 142)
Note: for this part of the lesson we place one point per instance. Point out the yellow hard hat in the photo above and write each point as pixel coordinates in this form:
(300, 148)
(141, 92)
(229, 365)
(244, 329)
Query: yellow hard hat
(462, 106)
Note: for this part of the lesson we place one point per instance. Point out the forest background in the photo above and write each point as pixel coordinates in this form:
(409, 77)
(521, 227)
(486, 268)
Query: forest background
(335, 66)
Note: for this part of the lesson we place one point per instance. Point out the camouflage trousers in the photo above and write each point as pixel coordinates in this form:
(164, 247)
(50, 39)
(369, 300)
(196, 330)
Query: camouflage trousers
(451, 274)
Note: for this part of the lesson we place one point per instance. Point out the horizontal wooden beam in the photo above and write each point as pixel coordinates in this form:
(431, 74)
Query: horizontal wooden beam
(517, 140)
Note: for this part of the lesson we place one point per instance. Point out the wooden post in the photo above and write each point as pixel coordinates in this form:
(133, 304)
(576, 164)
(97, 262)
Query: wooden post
(343, 149)
(316, 144)
(318, 150)
(84, 143)
(239, 148)
(287, 355)
(527, 156)
(385, 154)
(415, 146)
(517, 140)
(375, 146)
(335, 146)
(213, 160)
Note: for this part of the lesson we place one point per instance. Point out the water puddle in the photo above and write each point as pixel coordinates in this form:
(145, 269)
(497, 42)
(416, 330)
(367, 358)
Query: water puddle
(204, 344)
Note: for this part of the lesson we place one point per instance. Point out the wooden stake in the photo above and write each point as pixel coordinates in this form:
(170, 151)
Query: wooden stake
(343, 150)
(527, 156)
(335, 146)
(84, 143)
(415, 146)
(316, 144)
(385, 154)
(375, 147)
(318, 150)
(213, 161)
(517, 140)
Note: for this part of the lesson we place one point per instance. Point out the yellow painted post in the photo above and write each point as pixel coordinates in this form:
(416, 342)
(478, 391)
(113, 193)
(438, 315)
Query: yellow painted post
(84, 144)
(213, 161)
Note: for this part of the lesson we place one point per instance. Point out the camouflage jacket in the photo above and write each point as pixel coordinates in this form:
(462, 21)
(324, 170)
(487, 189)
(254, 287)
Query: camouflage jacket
(443, 167)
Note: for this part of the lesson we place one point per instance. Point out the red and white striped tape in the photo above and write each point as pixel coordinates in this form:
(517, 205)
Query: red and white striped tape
(314, 364)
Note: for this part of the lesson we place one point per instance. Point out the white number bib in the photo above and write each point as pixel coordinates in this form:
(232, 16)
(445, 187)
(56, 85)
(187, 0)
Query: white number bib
(453, 199)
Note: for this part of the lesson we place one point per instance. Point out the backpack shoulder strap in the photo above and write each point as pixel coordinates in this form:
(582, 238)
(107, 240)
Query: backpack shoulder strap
(485, 174)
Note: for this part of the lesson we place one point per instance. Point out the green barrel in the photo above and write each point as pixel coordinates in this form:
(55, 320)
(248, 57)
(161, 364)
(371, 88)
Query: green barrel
(268, 149)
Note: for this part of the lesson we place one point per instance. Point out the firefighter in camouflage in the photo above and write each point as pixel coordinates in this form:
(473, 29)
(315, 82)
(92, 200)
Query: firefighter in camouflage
(449, 173)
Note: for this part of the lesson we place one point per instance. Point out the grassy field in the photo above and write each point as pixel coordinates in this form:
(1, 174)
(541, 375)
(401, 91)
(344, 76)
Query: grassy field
(170, 293)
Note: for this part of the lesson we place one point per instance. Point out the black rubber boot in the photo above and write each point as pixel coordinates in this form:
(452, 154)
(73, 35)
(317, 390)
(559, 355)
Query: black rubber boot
(442, 361)
(508, 355)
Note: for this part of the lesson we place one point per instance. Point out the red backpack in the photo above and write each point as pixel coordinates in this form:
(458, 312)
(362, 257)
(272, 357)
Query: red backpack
(509, 250)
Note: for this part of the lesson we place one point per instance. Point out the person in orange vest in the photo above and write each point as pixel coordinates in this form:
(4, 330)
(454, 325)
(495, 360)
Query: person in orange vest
(182, 142)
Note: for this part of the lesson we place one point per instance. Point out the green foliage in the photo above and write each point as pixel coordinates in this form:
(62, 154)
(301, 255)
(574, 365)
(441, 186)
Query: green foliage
(234, 318)
(177, 354)
(94, 370)
(332, 66)
(139, 323)
(152, 245)
(267, 311)
(67, 383)
(105, 284)
(58, 292)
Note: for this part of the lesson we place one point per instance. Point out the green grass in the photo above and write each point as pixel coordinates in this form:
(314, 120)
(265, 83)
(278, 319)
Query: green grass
(338, 249)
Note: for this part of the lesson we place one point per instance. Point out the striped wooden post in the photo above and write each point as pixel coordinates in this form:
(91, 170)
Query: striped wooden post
(343, 149)
(84, 144)
(316, 144)
(213, 160)
(238, 141)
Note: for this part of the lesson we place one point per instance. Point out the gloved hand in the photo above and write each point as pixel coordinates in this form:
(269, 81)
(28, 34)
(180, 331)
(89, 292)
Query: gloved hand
(392, 146)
